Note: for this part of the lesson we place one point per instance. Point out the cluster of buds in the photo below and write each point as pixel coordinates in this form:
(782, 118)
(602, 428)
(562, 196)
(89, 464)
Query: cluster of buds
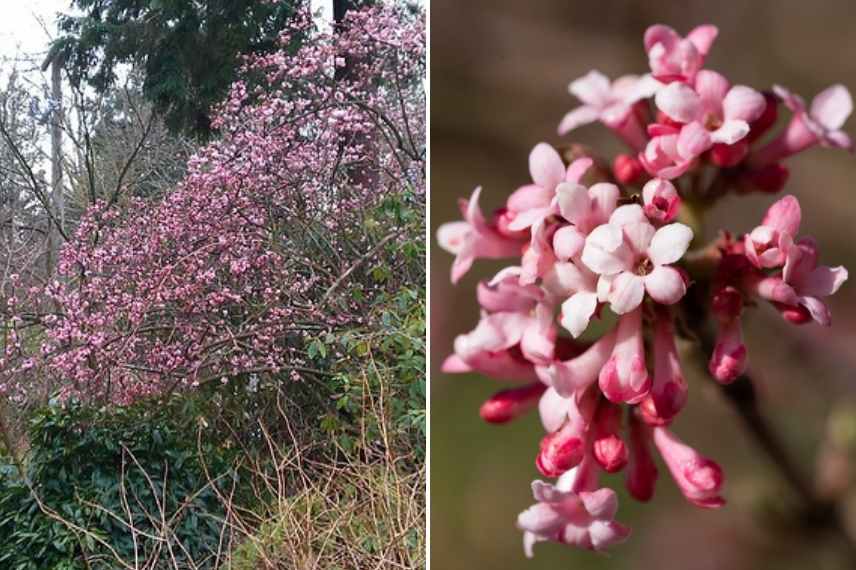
(590, 238)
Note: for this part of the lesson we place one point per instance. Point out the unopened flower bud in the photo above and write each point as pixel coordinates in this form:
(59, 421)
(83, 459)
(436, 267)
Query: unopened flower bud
(509, 404)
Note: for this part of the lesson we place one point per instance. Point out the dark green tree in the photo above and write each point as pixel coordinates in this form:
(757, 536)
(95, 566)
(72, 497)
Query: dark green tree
(187, 50)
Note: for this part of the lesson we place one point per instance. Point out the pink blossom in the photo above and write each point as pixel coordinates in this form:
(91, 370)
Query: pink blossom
(640, 476)
(728, 360)
(532, 203)
(569, 513)
(669, 389)
(812, 282)
(473, 238)
(767, 245)
(819, 124)
(572, 376)
(672, 57)
(663, 158)
(565, 447)
(661, 200)
(608, 448)
(610, 103)
(624, 377)
(712, 111)
(633, 257)
(587, 208)
(699, 478)
(493, 348)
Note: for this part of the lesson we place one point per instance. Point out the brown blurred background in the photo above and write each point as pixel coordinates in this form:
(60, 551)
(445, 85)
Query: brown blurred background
(499, 75)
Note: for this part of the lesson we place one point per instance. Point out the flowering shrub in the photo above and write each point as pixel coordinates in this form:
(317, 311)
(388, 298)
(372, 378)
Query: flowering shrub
(589, 239)
(255, 248)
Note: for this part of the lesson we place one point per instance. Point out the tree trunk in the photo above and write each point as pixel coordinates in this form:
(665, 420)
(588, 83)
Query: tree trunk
(57, 198)
(363, 174)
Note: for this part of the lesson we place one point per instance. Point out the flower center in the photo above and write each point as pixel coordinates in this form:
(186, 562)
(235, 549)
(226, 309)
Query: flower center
(644, 267)
(712, 122)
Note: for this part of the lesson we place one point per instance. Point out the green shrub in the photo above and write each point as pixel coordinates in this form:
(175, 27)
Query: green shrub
(93, 475)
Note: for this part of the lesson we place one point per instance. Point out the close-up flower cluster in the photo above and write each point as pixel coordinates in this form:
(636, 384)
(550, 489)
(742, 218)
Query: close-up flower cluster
(609, 276)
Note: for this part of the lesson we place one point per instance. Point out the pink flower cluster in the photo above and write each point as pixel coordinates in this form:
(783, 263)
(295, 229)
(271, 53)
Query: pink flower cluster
(218, 279)
(590, 240)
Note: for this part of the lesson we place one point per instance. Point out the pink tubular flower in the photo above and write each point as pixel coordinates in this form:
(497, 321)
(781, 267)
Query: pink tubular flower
(799, 291)
(624, 377)
(728, 360)
(819, 124)
(712, 111)
(571, 515)
(565, 447)
(610, 103)
(633, 257)
(641, 473)
(699, 478)
(661, 200)
(608, 448)
(572, 376)
(669, 389)
(492, 348)
(673, 58)
(509, 404)
(810, 282)
(474, 238)
(627, 169)
(767, 245)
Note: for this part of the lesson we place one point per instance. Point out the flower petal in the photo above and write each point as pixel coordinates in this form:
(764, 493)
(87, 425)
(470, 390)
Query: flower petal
(577, 118)
(553, 409)
(626, 292)
(711, 88)
(578, 168)
(817, 309)
(669, 244)
(604, 197)
(452, 235)
(665, 285)
(605, 252)
(601, 504)
(638, 236)
(546, 166)
(831, 107)
(568, 242)
(784, 215)
(823, 281)
(703, 37)
(730, 132)
(660, 34)
(627, 214)
(743, 103)
(577, 312)
(680, 102)
(693, 140)
(592, 88)
(574, 202)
